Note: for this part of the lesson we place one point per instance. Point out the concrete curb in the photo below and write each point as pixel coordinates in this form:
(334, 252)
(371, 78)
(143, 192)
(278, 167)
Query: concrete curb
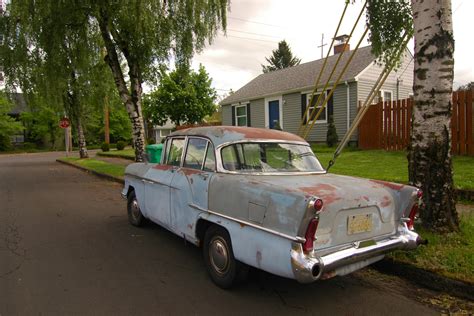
(426, 278)
(96, 173)
(409, 272)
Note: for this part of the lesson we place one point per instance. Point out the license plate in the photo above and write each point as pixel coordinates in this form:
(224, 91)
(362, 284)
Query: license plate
(359, 224)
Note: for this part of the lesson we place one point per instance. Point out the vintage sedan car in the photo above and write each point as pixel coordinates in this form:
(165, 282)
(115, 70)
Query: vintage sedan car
(260, 198)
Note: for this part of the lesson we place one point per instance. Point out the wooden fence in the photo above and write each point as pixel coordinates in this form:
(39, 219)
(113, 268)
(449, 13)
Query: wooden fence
(386, 125)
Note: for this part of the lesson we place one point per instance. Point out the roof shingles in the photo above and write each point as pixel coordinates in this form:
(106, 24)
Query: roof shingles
(301, 76)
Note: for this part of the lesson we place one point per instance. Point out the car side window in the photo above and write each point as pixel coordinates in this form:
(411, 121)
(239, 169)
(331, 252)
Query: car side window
(210, 162)
(195, 153)
(175, 152)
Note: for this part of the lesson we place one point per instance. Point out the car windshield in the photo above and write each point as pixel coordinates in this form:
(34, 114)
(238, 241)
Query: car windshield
(269, 157)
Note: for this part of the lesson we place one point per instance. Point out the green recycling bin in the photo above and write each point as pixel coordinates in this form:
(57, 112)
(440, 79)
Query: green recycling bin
(154, 152)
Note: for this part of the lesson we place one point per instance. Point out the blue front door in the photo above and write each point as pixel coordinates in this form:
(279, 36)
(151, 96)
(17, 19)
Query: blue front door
(274, 113)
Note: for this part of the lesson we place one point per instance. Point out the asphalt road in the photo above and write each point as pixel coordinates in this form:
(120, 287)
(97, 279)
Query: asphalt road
(66, 248)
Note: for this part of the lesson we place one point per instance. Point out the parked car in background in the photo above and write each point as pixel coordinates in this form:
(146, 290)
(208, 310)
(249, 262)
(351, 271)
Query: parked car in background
(260, 198)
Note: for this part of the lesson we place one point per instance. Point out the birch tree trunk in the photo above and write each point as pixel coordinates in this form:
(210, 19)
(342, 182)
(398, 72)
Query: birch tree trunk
(430, 163)
(81, 139)
(131, 98)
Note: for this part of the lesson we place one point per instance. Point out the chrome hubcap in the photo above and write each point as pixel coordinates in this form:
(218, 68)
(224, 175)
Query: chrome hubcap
(219, 255)
(135, 209)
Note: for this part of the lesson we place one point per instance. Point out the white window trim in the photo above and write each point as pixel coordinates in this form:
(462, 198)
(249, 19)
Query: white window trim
(308, 93)
(382, 92)
(237, 117)
(280, 105)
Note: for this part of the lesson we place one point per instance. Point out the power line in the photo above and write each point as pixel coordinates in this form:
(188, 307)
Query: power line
(253, 33)
(256, 22)
(252, 39)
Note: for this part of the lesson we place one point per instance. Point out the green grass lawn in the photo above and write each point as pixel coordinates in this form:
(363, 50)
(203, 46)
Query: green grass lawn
(451, 255)
(388, 165)
(126, 153)
(98, 165)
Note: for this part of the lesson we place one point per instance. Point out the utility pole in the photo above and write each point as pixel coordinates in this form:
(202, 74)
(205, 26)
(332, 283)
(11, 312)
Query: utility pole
(322, 45)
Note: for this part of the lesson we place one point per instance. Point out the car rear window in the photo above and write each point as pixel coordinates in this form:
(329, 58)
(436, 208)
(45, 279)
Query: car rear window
(269, 157)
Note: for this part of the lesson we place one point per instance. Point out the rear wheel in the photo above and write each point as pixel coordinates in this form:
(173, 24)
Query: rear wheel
(219, 258)
(135, 216)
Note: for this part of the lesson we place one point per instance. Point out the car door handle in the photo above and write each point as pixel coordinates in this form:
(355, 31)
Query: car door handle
(203, 176)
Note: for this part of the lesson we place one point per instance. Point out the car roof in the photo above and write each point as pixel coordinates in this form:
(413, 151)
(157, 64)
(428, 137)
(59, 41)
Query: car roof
(225, 134)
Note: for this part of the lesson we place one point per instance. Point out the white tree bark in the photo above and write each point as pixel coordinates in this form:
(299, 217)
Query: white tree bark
(430, 163)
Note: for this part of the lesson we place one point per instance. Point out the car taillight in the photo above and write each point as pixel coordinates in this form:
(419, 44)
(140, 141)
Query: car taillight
(414, 210)
(318, 205)
(310, 234)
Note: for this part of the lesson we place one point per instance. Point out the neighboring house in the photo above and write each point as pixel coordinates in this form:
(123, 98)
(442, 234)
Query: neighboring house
(282, 96)
(162, 131)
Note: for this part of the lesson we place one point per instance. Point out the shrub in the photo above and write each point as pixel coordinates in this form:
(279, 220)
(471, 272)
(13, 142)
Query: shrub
(105, 147)
(151, 141)
(5, 143)
(331, 136)
(120, 145)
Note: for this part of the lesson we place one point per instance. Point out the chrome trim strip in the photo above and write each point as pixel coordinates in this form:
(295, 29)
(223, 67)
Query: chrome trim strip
(295, 239)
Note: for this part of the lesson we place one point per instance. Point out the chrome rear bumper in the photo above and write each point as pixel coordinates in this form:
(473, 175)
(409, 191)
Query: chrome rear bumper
(311, 267)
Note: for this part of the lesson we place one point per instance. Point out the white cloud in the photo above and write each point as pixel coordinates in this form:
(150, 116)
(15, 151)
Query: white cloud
(255, 27)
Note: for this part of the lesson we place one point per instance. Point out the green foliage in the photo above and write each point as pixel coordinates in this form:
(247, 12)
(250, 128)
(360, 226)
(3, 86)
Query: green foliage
(121, 145)
(388, 21)
(331, 136)
(8, 125)
(373, 164)
(183, 96)
(105, 147)
(282, 57)
(99, 166)
(151, 141)
(451, 255)
(42, 126)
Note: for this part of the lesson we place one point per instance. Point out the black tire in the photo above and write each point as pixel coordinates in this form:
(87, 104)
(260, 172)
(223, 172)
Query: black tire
(135, 216)
(224, 270)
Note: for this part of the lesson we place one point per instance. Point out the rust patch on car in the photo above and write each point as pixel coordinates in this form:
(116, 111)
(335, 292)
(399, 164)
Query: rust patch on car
(162, 167)
(189, 171)
(365, 197)
(328, 275)
(190, 226)
(393, 186)
(326, 192)
(386, 201)
(263, 133)
(242, 225)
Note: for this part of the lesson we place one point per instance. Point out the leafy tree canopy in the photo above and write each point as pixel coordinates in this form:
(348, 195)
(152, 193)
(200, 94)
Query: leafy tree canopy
(8, 125)
(282, 57)
(183, 96)
(388, 22)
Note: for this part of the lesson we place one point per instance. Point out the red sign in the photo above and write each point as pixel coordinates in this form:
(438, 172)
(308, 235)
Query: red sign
(64, 122)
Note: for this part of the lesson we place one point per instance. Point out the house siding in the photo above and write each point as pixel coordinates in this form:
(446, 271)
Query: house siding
(404, 74)
(227, 114)
(257, 112)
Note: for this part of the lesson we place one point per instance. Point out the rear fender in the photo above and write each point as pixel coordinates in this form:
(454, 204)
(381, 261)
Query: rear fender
(255, 247)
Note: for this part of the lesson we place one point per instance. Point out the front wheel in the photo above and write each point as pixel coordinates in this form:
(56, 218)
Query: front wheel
(223, 269)
(135, 216)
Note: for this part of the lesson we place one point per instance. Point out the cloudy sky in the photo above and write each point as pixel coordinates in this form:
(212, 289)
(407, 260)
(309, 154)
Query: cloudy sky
(256, 26)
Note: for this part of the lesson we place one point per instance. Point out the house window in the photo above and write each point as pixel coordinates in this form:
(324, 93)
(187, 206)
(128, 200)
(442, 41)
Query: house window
(387, 96)
(241, 115)
(311, 114)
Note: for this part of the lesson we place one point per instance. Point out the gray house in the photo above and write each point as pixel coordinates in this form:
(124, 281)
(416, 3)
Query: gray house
(282, 96)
